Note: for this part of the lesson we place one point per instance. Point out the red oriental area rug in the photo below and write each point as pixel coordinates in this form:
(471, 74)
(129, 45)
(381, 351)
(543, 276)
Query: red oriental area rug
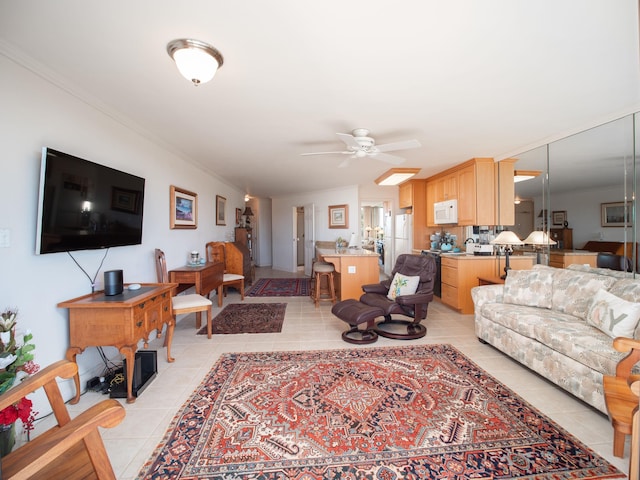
(248, 318)
(416, 412)
(280, 287)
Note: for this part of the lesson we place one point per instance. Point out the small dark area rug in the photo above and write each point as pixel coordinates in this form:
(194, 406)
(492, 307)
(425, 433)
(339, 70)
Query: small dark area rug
(248, 318)
(420, 412)
(280, 287)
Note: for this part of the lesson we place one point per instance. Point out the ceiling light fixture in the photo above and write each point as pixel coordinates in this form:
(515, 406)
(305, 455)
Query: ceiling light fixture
(197, 61)
(394, 176)
(522, 175)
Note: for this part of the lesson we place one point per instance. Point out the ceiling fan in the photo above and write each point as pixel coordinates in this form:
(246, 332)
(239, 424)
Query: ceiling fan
(360, 144)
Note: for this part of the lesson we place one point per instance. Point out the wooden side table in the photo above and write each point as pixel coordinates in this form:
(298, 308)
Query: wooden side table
(97, 320)
(205, 278)
(490, 281)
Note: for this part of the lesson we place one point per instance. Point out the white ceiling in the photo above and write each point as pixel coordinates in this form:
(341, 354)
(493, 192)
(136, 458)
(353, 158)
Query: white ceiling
(466, 78)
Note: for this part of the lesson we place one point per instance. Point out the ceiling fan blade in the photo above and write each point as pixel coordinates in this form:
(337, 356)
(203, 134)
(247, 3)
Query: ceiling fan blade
(326, 153)
(385, 157)
(349, 140)
(388, 147)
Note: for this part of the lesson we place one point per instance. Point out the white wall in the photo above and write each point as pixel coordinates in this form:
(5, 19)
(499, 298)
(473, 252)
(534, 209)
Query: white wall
(283, 218)
(36, 113)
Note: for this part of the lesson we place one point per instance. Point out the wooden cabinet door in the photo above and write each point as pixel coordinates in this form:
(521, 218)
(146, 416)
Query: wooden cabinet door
(406, 195)
(431, 199)
(467, 196)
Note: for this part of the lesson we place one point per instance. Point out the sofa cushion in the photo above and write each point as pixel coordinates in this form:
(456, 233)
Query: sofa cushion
(522, 319)
(531, 288)
(613, 315)
(402, 285)
(573, 290)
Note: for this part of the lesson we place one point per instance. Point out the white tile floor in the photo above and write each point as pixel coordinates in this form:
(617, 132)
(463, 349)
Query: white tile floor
(131, 443)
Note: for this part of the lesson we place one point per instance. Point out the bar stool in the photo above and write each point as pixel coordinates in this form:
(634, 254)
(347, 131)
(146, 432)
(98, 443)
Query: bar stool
(323, 292)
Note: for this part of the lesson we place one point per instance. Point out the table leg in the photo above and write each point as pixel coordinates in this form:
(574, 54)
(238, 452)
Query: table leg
(169, 338)
(129, 354)
(72, 352)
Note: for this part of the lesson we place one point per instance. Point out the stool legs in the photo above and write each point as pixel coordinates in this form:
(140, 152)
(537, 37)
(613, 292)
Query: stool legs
(321, 293)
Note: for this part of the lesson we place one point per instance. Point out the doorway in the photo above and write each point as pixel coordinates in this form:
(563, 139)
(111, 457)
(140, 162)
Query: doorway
(375, 225)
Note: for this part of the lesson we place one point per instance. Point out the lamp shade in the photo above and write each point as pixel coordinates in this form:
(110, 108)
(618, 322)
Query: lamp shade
(538, 237)
(197, 61)
(247, 212)
(506, 237)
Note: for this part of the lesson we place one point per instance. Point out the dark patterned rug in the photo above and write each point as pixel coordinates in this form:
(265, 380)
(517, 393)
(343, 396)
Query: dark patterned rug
(280, 287)
(248, 318)
(416, 412)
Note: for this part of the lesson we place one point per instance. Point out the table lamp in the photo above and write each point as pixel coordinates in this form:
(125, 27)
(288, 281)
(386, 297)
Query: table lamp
(538, 239)
(508, 239)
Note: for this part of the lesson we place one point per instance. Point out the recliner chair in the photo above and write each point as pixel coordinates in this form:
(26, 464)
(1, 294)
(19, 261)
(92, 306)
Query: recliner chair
(413, 306)
(613, 262)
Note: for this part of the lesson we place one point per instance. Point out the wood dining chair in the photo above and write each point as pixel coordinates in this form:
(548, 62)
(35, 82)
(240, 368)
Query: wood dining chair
(216, 252)
(183, 304)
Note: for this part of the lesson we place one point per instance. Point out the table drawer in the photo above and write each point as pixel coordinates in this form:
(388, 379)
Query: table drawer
(450, 296)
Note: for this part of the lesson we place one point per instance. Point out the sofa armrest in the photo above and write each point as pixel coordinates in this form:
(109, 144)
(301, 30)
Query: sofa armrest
(486, 294)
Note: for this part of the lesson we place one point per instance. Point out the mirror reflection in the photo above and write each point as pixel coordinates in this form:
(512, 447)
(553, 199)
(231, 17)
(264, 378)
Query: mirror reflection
(583, 196)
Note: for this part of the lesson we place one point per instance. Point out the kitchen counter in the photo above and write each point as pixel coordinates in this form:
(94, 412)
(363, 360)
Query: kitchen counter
(354, 267)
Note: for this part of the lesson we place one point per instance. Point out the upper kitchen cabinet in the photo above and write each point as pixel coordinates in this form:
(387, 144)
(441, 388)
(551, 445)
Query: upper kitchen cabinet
(413, 194)
(473, 184)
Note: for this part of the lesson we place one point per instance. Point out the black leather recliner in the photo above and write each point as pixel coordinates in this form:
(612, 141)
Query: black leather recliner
(613, 262)
(413, 306)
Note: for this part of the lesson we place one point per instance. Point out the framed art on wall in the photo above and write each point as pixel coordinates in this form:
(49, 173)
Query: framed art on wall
(615, 214)
(338, 216)
(559, 217)
(238, 216)
(221, 204)
(184, 208)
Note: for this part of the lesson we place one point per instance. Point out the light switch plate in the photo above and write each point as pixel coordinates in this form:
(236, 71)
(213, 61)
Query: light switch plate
(5, 238)
(351, 269)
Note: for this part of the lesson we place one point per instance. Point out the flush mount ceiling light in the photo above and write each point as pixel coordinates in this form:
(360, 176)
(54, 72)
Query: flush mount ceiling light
(197, 61)
(522, 175)
(394, 176)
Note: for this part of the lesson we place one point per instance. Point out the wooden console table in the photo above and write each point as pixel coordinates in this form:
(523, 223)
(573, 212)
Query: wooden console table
(205, 278)
(121, 321)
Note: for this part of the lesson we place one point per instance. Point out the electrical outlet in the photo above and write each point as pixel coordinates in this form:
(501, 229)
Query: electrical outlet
(351, 269)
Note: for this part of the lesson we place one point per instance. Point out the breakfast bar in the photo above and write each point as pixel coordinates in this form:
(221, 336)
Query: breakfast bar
(354, 267)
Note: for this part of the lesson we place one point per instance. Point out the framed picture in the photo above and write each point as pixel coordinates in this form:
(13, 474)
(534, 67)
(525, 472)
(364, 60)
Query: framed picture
(559, 217)
(338, 216)
(184, 208)
(221, 204)
(615, 214)
(124, 200)
(238, 216)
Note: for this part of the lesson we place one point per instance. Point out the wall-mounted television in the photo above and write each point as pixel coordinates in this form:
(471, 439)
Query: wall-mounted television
(86, 206)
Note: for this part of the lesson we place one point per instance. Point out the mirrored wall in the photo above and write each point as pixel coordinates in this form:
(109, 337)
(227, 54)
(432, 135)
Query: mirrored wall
(580, 190)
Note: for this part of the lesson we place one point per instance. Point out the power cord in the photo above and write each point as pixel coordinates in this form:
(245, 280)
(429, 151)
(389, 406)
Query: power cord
(92, 280)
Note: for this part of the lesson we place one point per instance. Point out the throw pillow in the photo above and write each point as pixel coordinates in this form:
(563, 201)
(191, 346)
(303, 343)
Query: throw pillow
(402, 285)
(613, 315)
(531, 288)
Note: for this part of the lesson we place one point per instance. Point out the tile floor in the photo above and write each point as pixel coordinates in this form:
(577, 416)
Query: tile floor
(131, 443)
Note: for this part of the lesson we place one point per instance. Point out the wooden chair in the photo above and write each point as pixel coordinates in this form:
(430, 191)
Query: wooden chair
(183, 304)
(216, 252)
(621, 401)
(72, 449)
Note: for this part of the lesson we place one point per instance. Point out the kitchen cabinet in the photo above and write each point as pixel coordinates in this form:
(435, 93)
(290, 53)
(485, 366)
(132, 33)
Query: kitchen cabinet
(460, 274)
(418, 202)
(405, 194)
(473, 184)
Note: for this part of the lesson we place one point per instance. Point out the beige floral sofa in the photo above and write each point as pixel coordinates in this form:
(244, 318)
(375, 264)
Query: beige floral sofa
(561, 323)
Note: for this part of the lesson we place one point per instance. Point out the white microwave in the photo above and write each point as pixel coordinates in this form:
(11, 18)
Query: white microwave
(445, 212)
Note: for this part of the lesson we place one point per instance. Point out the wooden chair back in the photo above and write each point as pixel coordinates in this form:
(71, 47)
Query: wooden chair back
(161, 267)
(216, 253)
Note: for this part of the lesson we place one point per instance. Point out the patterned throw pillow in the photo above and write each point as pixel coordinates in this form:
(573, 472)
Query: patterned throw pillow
(531, 288)
(402, 285)
(613, 315)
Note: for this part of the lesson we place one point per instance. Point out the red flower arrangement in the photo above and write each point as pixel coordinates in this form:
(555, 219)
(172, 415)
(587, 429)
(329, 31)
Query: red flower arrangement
(16, 363)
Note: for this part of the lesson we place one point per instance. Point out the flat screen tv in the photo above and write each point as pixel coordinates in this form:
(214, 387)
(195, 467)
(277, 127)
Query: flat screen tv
(86, 206)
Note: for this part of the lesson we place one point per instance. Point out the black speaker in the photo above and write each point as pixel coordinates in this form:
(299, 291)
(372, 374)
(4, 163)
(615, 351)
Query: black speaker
(113, 284)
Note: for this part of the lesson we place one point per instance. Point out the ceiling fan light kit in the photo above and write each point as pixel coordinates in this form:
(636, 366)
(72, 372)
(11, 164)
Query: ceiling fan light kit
(197, 61)
(394, 176)
(360, 144)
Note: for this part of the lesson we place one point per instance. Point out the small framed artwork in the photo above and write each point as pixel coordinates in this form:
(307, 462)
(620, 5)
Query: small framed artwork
(221, 205)
(238, 216)
(615, 214)
(338, 216)
(124, 200)
(558, 217)
(184, 208)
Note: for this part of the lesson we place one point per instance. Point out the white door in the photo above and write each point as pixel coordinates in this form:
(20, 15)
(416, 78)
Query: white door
(309, 238)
